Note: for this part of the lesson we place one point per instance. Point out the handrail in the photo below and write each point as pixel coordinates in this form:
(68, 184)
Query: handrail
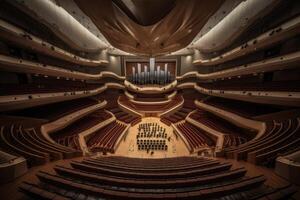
(48, 128)
(10, 102)
(277, 63)
(21, 65)
(150, 89)
(238, 120)
(277, 34)
(25, 39)
(266, 97)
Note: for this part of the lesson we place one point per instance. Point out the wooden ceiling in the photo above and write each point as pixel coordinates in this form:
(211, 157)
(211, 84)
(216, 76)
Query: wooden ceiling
(149, 28)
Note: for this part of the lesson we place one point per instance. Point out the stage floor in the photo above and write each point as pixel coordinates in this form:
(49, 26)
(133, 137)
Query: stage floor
(129, 148)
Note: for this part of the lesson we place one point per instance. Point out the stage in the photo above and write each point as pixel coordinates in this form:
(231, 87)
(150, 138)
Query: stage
(129, 147)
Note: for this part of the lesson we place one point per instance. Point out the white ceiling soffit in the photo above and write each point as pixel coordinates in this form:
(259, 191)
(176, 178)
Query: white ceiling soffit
(232, 25)
(118, 52)
(184, 51)
(71, 7)
(224, 10)
(62, 24)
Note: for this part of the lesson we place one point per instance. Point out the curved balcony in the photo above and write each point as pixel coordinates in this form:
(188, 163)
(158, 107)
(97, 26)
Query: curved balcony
(12, 102)
(277, 63)
(150, 89)
(265, 97)
(62, 24)
(150, 101)
(25, 66)
(234, 24)
(20, 37)
(275, 35)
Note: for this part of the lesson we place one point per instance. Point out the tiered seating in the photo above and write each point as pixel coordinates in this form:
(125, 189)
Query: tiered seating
(196, 137)
(57, 110)
(234, 135)
(280, 137)
(30, 144)
(133, 178)
(188, 106)
(153, 107)
(292, 86)
(105, 139)
(242, 108)
(125, 117)
(35, 88)
(177, 116)
(69, 135)
(150, 97)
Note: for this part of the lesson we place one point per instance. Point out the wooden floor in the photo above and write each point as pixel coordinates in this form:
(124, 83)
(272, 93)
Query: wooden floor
(128, 147)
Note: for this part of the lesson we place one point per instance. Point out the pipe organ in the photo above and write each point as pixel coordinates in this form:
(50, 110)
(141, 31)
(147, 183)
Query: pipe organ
(143, 73)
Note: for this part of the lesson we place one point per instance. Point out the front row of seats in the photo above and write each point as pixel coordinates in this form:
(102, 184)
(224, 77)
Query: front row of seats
(170, 178)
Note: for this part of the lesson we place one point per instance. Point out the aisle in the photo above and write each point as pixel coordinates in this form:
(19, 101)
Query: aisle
(129, 147)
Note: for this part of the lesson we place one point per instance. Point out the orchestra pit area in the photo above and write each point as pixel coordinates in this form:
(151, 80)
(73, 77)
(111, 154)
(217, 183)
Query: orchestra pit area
(150, 99)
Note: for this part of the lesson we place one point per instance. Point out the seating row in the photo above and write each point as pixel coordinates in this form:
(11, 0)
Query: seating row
(151, 108)
(105, 139)
(245, 109)
(68, 136)
(280, 137)
(31, 144)
(234, 135)
(196, 137)
(125, 117)
(209, 179)
(177, 116)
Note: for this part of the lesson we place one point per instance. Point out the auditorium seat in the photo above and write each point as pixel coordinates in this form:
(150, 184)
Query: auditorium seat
(150, 108)
(105, 139)
(125, 117)
(55, 111)
(137, 178)
(177, 116)
(68, 136)
(282, 136)
(29, 143)
(132, 99)
(234, 135)
(245, 109)
(196, 137)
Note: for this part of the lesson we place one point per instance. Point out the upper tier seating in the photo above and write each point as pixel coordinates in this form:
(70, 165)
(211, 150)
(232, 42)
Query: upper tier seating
(177, 116)
(112, 106)
(234, 135)
(292, 86)
(106, 138)
(56, 110)
(35, 88)
(242, 108)
(280, 137)
(125, 117)
(150, 98)
(69, 135)
(133, 178)
(30, 143)
(188, 106)
(196, 137)
(151, 108)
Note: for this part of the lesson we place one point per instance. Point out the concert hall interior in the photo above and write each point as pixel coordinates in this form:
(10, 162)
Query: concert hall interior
(150, 99)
